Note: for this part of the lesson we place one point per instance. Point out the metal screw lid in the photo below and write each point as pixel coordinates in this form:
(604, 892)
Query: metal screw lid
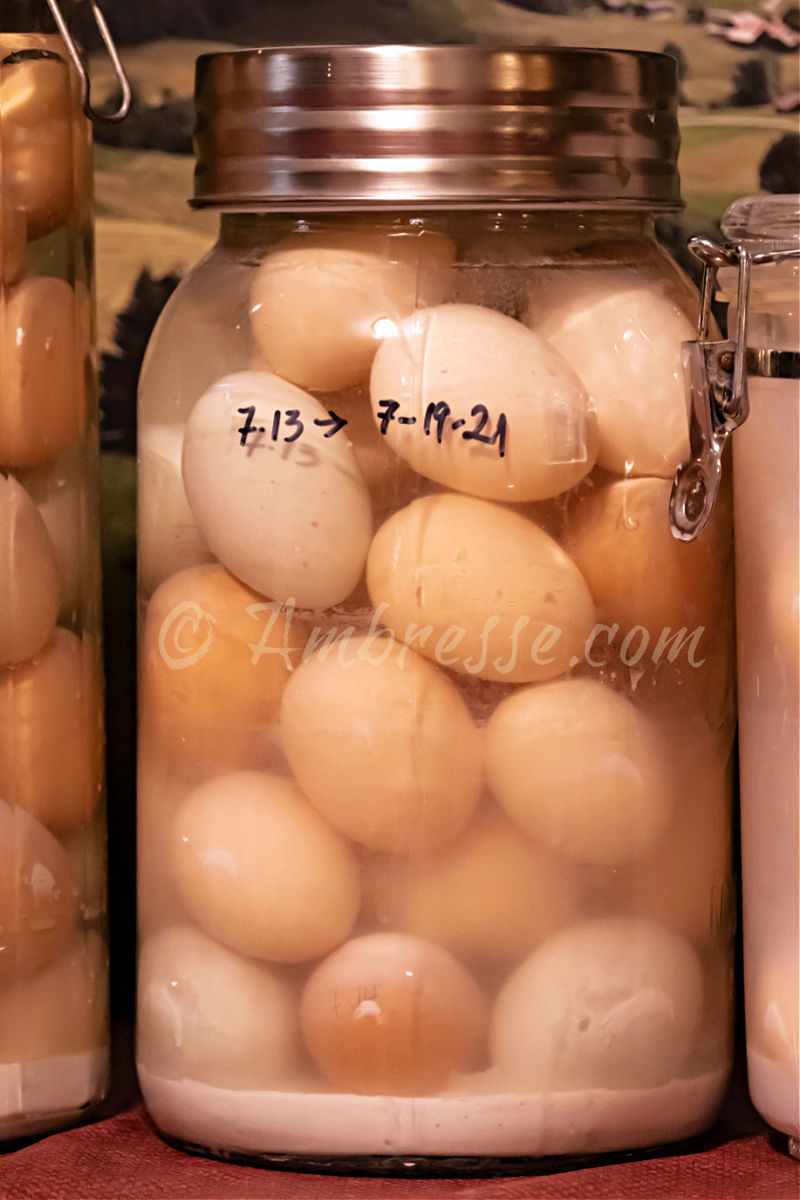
(317, 127)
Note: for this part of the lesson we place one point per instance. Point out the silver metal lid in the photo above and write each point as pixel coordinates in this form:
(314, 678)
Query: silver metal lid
(317, 127)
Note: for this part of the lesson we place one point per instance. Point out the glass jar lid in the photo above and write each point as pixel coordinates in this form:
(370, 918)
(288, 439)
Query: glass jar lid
(436, 127)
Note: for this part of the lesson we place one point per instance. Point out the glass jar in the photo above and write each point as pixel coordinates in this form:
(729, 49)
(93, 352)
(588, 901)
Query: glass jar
(53, 944)
(436, 715)
(766, 465)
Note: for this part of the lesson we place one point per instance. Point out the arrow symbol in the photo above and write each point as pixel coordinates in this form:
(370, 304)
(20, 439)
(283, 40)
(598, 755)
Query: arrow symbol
(337, 423)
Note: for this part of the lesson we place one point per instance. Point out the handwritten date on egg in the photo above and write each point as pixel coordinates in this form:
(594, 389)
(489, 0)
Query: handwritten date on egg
(289, 427)
(436, 416)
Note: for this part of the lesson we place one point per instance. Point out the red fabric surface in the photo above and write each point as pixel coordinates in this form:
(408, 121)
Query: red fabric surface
(122, 1158)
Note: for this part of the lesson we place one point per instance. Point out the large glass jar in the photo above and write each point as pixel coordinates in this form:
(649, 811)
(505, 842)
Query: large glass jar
(767, 510)
(53, 945)
(436, 715)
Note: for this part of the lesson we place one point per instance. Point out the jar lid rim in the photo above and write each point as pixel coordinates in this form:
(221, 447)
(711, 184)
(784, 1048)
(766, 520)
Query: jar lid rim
(479, 125)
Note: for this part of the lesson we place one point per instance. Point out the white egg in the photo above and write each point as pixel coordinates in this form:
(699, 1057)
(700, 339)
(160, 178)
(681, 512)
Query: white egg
(169, 538)
(614, 1002)
(29, 583)
(625, 344)
(322, 302)
(258, 868)
(382, 744)
(290, 517)
(207, 1013)
(484, 405)
(581, 770)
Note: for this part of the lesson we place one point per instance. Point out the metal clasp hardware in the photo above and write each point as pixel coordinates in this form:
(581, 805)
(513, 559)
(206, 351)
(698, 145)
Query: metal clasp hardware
(108, 42)
(716, 375)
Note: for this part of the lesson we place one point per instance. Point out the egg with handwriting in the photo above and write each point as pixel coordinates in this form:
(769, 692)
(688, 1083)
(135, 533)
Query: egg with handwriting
(215, 659)
(168, 538)
(577, 767)
(42, 407)
(51, 743)
(287, 514)
(625, 344)
(473, 399)
(382, 744)
(490, 895)
(62, 1009)
(480, 589)
(258, 868)
(29, 583)
(390, 1014)
(614, 1002)
(207, 1013)
(390, 480)
(41, 118)
(38, 897)
(322, 302)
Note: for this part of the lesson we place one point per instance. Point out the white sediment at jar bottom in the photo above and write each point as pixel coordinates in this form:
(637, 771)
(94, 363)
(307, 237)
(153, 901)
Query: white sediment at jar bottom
(315, 1124)
(775, 1091)
(40, 1093)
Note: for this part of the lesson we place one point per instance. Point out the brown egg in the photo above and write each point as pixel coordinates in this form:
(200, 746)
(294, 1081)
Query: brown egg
(37, 895)
(12, 239)
(389, 1014)
(322, 302)
(580, 769)
(492, 894)
(29, 582)
(216, 657)
(41, 387)
(480, 589)
(637, 572)
(61, 1010)
(51, 747)
(382, 744)
(37, 109)
(686, 883)
(258, 868)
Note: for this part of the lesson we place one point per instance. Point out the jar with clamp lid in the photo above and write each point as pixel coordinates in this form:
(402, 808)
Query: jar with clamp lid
(53, 942)
(759, 276)
(435, 713)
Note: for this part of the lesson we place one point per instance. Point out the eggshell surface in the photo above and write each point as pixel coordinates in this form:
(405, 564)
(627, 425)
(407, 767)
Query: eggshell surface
(41, 387)
(12, 239)
(492, 378)
(321, 302)
(479, 589)
(260, 870)
(29, 583)
(289, 518)
(389, 1014)
(37, 895)
(51, 744)
(382, 744)
(491, 895)
(638, 573)
(624, 342)
(581, 770)
(169, 538)
(38, 109)
(63, 1009)
(215, 660)
(617, 1004)
(205, 1012)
